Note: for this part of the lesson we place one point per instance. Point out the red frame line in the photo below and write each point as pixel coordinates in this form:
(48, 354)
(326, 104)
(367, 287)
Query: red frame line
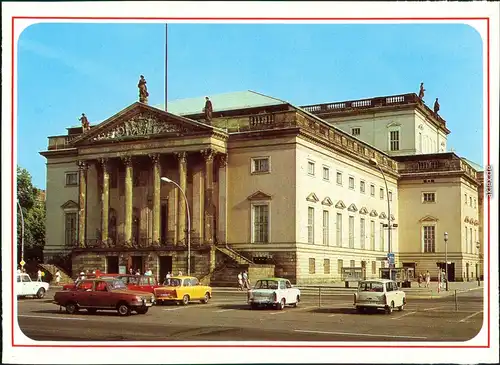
(250, 19)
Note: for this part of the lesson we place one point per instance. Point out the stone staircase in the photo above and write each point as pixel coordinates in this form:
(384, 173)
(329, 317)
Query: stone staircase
(50, 271)
(237, 257)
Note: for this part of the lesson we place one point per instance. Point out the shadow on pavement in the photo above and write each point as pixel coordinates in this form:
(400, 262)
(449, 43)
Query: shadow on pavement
(82, 312)
(334, 310)
(234, 306)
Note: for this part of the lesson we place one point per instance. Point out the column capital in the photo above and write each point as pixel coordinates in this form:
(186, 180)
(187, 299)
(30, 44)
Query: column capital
(182, 156)
(155, 158)
(208, 154)
(127, 160)
(82, 164)
(222, 160)
(104, 162)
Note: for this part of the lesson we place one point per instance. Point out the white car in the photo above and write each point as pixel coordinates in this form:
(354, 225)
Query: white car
(276, 292)
(26, 287)
(379, 294)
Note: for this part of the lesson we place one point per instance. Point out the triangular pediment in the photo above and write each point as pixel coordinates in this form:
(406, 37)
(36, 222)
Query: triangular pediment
(352, 208)
(327, 201)
(363, 210)
(259, 195)
(373, 213)
(313, 198)
(340, 205)
(70, 204)
(393, 124)
(428, 218)
(139, 121)
(382, 215)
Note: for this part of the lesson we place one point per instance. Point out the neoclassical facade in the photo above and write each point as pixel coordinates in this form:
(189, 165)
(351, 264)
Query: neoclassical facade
(271, 187)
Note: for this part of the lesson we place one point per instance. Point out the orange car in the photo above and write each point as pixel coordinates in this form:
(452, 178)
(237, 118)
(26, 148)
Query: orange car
(182, 290)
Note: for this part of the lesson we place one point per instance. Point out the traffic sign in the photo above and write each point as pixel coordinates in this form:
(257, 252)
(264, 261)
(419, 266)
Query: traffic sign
(390, 257)
(22, 263)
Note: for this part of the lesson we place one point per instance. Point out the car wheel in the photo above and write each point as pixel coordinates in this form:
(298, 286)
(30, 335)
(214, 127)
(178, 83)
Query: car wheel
(142, 310)
(296, 304)
(389, 308)
(123, 309)
(40, 293)
(71, 308)
(92, 310)
(253, 305)
(281, 304)
(401, 307)
(206, 298)
(360, 309)
(185, 299)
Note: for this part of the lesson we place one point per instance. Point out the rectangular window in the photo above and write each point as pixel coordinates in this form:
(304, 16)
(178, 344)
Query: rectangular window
(390, 196)
(310, 168)
(465, 199)
(326, 266)
(429, 238)
(420, 142)
(394, 140)
(374, 267)
(470, 201)
(382, 237)
(351, 232)
(381, 193)
(355, 131)
(338, 227)
(372, 235)
(471, 244)
(71, 178)
(466, 240)
(312, 266)
(475, 203)
(362, 187)
(339, 178)
(351, 182)
(326, 230)
(310, 225)
(340, 266)
(261, 223)
(372, 190)
(362, 232)
(326, 173)
(352, 263)
(428, 197)
(260, 164)
(70, 228)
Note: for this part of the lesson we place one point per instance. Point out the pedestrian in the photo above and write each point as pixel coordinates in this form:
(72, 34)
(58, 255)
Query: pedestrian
(180, 273)
(131, 271)
(138, 272)
(419, 280)
(149, 272)
(246, 283)
(427, 279)
(39, 275)
(240, 281)
(58, 277)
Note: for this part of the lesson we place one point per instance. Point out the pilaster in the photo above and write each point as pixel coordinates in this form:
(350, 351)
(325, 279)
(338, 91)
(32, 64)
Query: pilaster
(209, 189)
(223, 178)
(155, 158)
(82, 202)
(105, 201)
(127, 161)
(181, 220)
(198, 202)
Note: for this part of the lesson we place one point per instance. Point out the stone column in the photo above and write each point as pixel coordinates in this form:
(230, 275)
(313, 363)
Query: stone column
(209, 189)
(82, 202)
(155, 158)
(127, 160)
(222, 221)
(198, 202)
(181, 221)
(105, 202)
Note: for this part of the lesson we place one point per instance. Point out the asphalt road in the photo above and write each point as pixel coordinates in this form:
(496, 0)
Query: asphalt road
(227, 318)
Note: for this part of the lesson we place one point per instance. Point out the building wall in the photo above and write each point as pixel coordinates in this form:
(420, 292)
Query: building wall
(433, 140)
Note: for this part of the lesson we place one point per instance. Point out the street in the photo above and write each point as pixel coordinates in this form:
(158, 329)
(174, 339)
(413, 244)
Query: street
(227, 317)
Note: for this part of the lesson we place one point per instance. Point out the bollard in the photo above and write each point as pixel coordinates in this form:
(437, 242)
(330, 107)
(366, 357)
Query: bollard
(456, 303)
(319, 297)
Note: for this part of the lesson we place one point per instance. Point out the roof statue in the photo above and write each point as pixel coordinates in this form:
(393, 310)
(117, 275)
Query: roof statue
(208, 110)
(85, 122)
(436, 106)
(143, 90)
(421, 91)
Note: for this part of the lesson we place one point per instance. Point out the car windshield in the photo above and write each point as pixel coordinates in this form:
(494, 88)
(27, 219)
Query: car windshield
(266, 284)
(172, 282)
(371, 286)
(116, 285)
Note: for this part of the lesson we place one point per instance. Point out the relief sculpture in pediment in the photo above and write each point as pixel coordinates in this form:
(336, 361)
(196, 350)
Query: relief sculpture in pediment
(141, 125)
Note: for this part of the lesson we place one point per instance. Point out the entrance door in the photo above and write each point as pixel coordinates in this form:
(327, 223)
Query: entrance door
(467, 271)
(137, 264)
(165, 266)
(163, 223)
(112, 264)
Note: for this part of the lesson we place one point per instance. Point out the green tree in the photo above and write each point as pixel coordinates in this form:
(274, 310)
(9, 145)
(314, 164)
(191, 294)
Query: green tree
(33, 209)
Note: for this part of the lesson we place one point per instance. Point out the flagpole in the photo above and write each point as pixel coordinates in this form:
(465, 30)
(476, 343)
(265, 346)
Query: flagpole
(166, 65)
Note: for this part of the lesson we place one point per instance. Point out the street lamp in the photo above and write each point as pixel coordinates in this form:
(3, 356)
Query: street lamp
(376, 164)
(22, 233)
(167, 180)
(478, 246)
(446, 259)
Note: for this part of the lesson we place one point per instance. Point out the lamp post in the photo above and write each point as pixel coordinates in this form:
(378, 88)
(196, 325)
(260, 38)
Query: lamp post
(22, 233)
(446, 259)
(376, 164)
(478, 246)
(167, 180)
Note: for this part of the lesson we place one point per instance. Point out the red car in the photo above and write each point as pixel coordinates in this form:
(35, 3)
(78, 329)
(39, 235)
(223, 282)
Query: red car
(133, 282)
(72, 286)
(104, 294)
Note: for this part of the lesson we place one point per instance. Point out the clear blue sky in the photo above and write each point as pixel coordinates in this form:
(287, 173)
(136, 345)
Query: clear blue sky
(67, 69)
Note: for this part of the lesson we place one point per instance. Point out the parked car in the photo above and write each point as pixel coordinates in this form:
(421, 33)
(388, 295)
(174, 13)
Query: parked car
(277, 292)
(379, 294)
(182, 290)
(72, 286)
(26, 287)
(139, 282)
(104, 294)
